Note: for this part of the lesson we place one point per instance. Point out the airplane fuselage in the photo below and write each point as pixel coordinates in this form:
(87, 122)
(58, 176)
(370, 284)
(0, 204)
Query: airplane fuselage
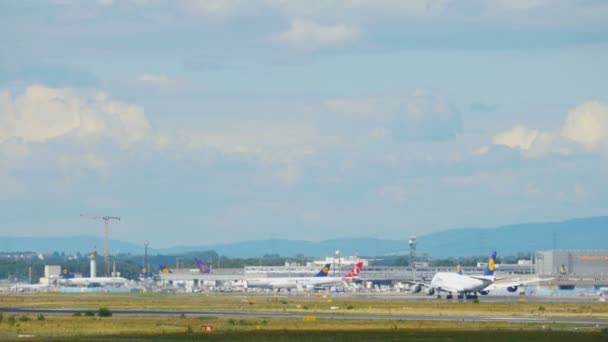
(458, 283)
(91, 281)
(295, 282)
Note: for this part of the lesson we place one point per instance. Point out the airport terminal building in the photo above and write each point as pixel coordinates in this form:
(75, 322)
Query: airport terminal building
(576, 262)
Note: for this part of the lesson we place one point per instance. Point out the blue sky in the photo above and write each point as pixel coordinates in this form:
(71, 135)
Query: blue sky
(216, 121)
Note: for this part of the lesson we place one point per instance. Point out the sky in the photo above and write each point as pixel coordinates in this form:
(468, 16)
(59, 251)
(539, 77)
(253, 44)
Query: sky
(212, 121)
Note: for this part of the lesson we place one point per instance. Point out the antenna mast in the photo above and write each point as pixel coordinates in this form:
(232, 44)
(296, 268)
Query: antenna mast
(106, 235)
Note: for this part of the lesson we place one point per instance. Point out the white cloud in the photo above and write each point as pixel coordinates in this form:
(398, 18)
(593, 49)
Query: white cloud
(42, 114)
(587, 125)
(531, 142)
(483, 150)
(153, 78)
(519, 137)
(275, 139)
(306, 35)
(420, 115)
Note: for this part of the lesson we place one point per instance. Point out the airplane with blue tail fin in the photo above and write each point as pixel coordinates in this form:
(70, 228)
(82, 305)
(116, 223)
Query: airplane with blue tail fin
(164, 269)
(321, 279)
(145, 274)
(324, 271)
(467, 286)
(69, 279)
(66, 274)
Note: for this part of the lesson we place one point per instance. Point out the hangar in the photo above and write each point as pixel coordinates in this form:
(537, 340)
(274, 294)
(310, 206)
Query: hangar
(576, 262)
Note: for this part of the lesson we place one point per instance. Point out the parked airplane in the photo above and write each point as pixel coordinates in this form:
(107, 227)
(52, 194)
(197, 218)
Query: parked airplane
(97, 281)
(467, 286)
(30, 288)
(68, 279)
(319, 280)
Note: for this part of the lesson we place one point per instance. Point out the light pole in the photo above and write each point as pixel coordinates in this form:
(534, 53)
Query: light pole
(339, 263)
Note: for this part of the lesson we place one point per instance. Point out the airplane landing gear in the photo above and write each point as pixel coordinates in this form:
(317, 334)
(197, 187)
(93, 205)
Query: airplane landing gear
(448, 297)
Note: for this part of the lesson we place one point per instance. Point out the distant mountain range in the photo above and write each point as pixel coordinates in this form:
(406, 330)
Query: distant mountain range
(582, 233)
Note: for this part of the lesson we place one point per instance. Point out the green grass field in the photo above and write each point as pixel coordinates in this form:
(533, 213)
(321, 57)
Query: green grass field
(64, 327)
(298, 304)
(186, 327)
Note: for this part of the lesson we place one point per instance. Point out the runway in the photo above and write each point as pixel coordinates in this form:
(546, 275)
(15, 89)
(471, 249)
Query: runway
(510, 319)
(483, 299)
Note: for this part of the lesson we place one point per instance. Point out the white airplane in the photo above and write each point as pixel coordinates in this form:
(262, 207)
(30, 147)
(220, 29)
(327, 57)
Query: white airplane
(30, 288)
(68, 279)
(466, 286)
(97, 281)
(301, 283)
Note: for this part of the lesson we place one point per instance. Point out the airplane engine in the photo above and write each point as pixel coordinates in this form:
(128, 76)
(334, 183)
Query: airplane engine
(512, 288)
(416, 288)
(484, 293)
(430, 291)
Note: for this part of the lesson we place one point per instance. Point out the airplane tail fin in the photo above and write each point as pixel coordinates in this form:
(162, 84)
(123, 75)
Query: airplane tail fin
(458, 268)
(164, 269)
(201, 266)
(491, 265)
(324, 271)
(354, 272)
(66, 274)
(145, 273)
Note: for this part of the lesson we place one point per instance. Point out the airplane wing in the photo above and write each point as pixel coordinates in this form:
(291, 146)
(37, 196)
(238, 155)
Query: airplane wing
(514, 284)
(413, 286)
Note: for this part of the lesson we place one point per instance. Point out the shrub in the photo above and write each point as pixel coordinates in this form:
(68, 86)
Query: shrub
(11, 320)
(183, 315)
(231, 321)
(89, 313)
(1, 317)
(189, 330)
(349, 307)
(77, 314)
(541, 308)
(104, 312)
(24, 318)
(40, 317)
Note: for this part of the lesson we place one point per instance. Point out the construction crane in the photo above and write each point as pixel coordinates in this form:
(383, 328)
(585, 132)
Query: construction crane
(106, 234)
